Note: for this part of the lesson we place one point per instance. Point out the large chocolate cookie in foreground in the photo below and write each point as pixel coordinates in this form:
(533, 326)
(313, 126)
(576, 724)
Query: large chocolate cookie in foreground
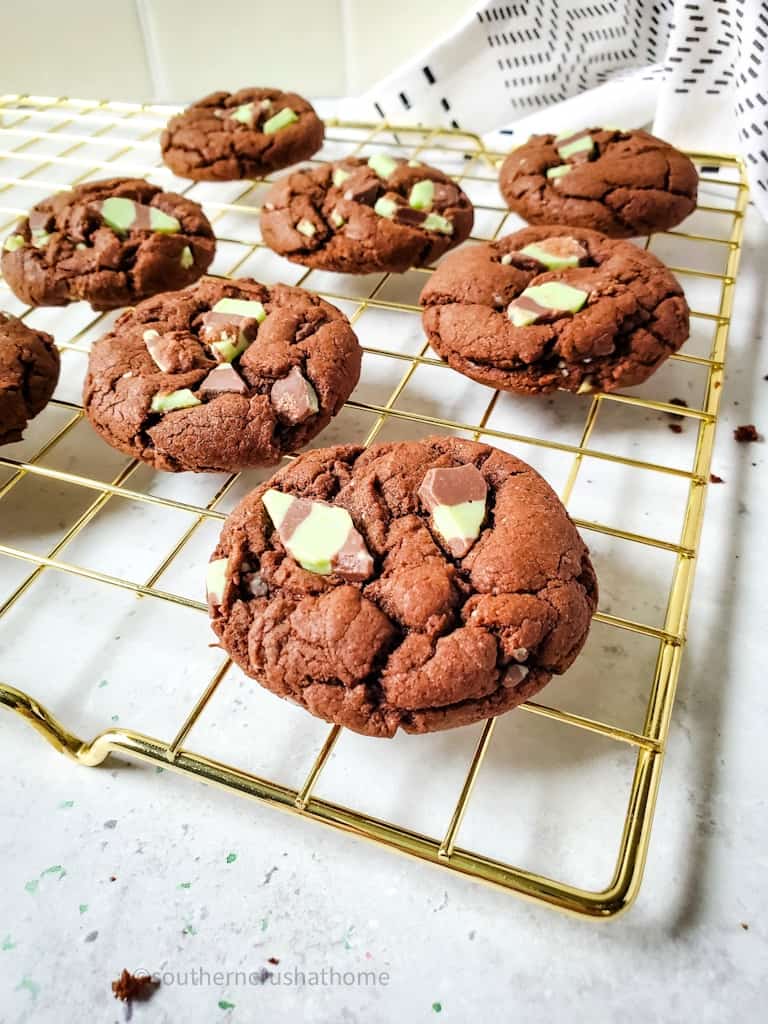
(417, 585)
(555, 308)
(223, 375)
(620, 183)
(110, 243)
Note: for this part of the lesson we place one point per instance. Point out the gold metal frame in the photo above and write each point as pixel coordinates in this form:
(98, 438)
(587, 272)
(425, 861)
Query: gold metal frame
(17, 116)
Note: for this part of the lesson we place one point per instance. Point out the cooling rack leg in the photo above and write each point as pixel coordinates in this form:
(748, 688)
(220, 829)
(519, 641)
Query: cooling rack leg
(51, 729)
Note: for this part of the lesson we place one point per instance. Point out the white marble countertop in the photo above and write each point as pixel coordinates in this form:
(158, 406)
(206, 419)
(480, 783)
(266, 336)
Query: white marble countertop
(125, 867)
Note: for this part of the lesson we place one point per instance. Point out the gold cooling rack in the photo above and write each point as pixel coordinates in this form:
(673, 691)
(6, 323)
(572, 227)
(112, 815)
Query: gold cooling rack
(47, 144)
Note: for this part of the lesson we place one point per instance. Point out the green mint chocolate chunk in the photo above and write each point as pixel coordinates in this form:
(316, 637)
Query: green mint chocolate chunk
(555, 253)
(459, 524)
(436, 222)
(181, 399)
(227, 350)
(81, 246)
(322, 538)
(306, 227)
(14, 242)
(506, 259)
(339, 176)
(243, 113)
(383, 165)
(162, 223)
(559, 171)
(385, 207)
(582, 145)
(557, 295)
(280, 120)
(422, 194)
(216, 580)
(277, 504)
(415, 163)
(40, 238)
(241, 307)
(186, 259)
(118, 213)
(336, 219)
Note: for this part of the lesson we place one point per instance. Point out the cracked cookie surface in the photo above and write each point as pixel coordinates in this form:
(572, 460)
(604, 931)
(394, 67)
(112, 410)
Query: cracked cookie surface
(184, 387)
(29, 372)
(429, 640)
(628, 184)
(634, 314)
(222, 137)
(65, 249)
(326, 217)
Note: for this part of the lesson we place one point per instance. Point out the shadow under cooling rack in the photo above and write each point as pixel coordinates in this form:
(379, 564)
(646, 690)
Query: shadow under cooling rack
(85, 533)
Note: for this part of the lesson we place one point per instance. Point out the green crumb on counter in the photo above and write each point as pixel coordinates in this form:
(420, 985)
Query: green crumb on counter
(31, 986)
(32, 886)
(66, 804)
(83, 908)
(231, 858)
(224, 1005)
(7, 943)
(437, 1007)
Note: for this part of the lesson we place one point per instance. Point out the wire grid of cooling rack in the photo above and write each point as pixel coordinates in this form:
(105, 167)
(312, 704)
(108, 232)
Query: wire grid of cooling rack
(64, 141)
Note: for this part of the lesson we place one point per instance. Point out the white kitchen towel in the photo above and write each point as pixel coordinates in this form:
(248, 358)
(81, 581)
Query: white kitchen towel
(697, 70)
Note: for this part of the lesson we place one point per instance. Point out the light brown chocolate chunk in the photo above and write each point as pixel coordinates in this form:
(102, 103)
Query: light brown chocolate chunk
(452, 486)
(294, 398)
(224, 377)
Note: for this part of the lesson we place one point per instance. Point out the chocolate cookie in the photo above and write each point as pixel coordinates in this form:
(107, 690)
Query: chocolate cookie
(29, 372)
(620, 183)
(358, 216)
(245, 134)
(417, 585)
(221, 376)
(555, 308)
(110, 243)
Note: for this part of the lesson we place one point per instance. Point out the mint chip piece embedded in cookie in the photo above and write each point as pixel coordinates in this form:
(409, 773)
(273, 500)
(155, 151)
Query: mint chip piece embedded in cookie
(385, 207)
(553, 173)
(544, 299)
(243, 113)
(455, 498)
(181, 399)
(14, 242)
(216, 580)
(306, 227)
(436, 222)
(382, 164)
(321, 537)
(280, 120)
(339, 176)
(556, 253)
(422, 195)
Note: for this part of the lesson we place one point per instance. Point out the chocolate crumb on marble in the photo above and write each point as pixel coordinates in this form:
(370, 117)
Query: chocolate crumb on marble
(132, 988)
(622, 183)
(245, 134)
(110, 243)
(358, 216)
(29, 372)
(746, 433)
(498, 314)
(676, 428)
(428, 637)
(185, 380)
(715, 479)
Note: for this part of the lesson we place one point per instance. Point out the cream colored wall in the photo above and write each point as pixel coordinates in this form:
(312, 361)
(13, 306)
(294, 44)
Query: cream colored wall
(175, 50)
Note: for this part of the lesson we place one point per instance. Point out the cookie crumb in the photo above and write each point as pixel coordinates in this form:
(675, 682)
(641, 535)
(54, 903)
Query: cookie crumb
(744, 925)
(675, 427)
(677, 401)
(718, 384)
(273, 960)
(130, 987)
(746, 433)
(715, 479)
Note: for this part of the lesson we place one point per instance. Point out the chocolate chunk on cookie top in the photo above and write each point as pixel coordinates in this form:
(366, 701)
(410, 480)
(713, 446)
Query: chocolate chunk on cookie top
(417, 585)
(358, 216)
(221, 376)
(622, 183)
(555, 308)
(245, 134)
(29, 372)
(110, 243)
